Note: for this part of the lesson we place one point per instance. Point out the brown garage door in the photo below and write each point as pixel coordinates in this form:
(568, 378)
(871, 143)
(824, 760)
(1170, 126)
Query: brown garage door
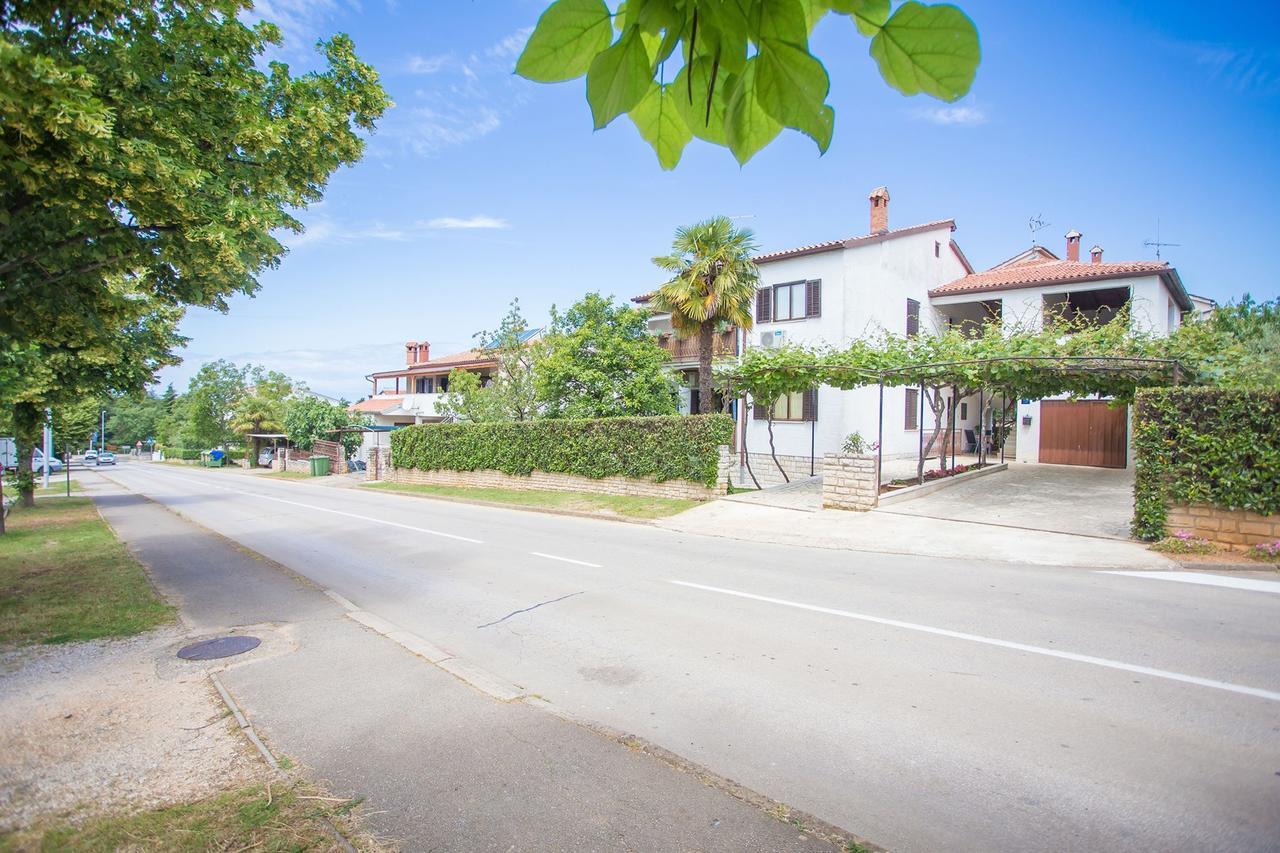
(1088, 432)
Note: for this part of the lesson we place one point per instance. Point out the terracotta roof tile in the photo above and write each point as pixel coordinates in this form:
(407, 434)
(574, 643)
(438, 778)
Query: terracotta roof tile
(1041, 271)
(376, 405)
(851, 242)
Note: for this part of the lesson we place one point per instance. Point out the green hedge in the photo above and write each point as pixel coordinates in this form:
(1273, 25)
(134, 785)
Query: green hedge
(664, 448)
(1205, 445)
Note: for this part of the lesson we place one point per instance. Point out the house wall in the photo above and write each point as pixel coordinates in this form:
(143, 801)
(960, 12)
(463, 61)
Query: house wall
(864, 291)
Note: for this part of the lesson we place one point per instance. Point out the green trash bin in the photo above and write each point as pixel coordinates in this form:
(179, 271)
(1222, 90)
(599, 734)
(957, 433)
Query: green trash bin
(319, 466)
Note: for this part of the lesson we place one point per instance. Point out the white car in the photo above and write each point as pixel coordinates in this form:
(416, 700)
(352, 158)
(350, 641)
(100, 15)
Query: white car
(106, 457)
(37, 463)
(91, 457)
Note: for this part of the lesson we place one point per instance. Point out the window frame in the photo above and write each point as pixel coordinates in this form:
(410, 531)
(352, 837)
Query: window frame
(804, 287)
(911, 413)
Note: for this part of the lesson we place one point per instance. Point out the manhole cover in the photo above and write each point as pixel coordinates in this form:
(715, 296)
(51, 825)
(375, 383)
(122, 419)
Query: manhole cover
(218, 647)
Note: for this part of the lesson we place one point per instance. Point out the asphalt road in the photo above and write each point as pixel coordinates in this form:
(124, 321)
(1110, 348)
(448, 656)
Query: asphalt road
(926, 704)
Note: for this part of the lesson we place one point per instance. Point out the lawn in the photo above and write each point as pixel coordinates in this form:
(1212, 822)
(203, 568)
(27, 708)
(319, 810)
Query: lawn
(65, 577)
(255, 818)
(288, 475)
(56, 487)
(631, 506)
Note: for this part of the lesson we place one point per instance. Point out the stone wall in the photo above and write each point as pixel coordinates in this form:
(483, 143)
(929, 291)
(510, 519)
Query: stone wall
(1236, 527)
(766, 471)
(379, 468)
(850, 482)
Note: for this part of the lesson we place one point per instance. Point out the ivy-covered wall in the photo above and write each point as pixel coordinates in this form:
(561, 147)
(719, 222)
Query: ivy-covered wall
(1204, 446)
(664, 448)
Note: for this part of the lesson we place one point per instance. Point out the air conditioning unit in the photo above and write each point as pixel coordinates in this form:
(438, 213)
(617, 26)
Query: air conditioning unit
(769, 340)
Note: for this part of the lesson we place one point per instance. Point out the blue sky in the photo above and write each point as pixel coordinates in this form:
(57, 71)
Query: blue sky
(480, 187)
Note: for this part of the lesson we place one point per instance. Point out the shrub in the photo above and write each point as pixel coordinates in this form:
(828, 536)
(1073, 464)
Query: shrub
(1267, 551)
(1183, 542)
(1207, 446)
(664, 448)
(854, 444)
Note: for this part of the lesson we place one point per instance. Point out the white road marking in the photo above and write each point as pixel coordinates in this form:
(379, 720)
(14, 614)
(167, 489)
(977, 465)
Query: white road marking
(1004, 644)
(1205, 579)
(566, 560)
(333, 511)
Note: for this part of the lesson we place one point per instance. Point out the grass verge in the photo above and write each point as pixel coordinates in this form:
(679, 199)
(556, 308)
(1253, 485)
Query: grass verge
(65, 577)
(277, 817)
(288, 475)
(631, 506)
(55, 488)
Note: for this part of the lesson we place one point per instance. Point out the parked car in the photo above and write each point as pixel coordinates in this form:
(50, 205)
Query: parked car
(265, 457)
(106, 457)
(37, 463)
(91, 457)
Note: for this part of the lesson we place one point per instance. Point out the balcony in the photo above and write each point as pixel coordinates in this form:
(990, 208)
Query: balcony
(682, 350)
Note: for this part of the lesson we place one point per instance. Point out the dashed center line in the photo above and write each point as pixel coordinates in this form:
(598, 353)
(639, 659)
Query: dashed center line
(1004, 644)
(567, 560)
(368, 518)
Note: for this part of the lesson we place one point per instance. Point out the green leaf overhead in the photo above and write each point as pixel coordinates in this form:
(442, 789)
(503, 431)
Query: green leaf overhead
(705, 120)
(928, 49)
(662, 125)
(792, 86)
(739, 71)
(748, 127)
(568, 37)
(618, 78)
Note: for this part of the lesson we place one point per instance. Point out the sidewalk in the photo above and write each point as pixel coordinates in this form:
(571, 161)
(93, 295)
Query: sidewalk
(442, 765)
(892, 533)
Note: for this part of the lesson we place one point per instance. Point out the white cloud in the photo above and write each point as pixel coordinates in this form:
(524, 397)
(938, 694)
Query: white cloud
(301, 22)
(510, 47)
(1248, 72)
(430, 129)
(964, 115)
(427, 64)
(480, 221)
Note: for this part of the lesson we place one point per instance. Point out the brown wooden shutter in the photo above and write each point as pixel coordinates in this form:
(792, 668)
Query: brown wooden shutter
(764, 305)
(758, 412)
(813, 299)
(809, 405)
(913, 318)
(912, 414)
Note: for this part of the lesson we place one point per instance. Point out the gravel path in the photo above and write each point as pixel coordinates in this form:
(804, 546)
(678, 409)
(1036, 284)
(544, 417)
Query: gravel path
(112, 725)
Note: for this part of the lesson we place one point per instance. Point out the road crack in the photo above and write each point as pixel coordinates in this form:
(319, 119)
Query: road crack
(531, 607)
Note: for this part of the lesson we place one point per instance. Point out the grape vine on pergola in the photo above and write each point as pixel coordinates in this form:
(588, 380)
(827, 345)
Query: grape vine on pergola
(1015, 376)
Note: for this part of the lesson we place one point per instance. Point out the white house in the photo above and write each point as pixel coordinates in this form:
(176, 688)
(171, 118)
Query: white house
(916, 279)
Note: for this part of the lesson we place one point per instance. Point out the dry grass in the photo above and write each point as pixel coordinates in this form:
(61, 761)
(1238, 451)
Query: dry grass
(631, 506)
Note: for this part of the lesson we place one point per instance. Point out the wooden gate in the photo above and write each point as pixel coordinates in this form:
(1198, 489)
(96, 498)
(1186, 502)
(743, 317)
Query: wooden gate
(1087, 432)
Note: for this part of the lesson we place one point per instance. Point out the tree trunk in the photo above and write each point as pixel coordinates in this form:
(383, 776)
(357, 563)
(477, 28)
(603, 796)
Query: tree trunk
(746, 452)
(706, 337)
(937, 403)
(773, 451)
(26, 423)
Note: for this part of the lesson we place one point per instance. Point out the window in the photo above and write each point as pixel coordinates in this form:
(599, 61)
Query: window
(912, 414)
(423, 385)
(913, 318)
(795, 300)
(796, 406)
(937, 249)
(964, 411)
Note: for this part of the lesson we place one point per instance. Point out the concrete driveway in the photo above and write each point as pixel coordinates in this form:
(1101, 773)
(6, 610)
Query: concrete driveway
(1057, 498)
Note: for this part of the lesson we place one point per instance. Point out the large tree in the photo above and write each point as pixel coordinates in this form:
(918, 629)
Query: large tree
(147, 140)
(713, 282)
(261, 409)
(736, 73)
(209, 406)
(598, 360)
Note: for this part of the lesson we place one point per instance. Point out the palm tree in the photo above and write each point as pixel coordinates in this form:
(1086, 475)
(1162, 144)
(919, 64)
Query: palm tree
(713, 282)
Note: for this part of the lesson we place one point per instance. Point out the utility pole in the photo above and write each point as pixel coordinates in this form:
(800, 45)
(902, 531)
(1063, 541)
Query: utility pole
(48, 444)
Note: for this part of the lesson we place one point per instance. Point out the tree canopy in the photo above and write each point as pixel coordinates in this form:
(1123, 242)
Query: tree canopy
(598, 360)
(736, 72)
(143, 142)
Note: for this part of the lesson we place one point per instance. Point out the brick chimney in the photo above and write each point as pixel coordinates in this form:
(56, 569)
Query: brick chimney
(1073, 245)
(410, 352)
(424, 352)
(1095, 254)
(879, 210)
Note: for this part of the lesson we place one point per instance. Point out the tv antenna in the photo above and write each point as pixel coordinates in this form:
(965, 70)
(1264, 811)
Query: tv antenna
(1156, 242)
(1035, 223)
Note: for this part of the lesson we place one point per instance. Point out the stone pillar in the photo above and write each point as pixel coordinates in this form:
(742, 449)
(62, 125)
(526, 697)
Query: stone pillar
(850, 482)
(378, 463)
(724, 468)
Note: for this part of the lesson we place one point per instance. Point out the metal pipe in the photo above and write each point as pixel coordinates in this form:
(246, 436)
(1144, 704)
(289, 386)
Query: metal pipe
(920, 433)
(880, 438)
(1004, 411)
(982, 424)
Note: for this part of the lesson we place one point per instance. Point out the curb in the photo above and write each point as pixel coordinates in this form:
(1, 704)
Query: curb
(574, 513)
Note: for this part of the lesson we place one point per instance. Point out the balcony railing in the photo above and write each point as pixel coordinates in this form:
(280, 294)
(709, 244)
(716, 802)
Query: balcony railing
(686, 349)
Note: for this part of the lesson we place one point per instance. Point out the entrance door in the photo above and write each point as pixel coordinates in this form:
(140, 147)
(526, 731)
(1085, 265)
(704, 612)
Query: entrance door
(1086, 432)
